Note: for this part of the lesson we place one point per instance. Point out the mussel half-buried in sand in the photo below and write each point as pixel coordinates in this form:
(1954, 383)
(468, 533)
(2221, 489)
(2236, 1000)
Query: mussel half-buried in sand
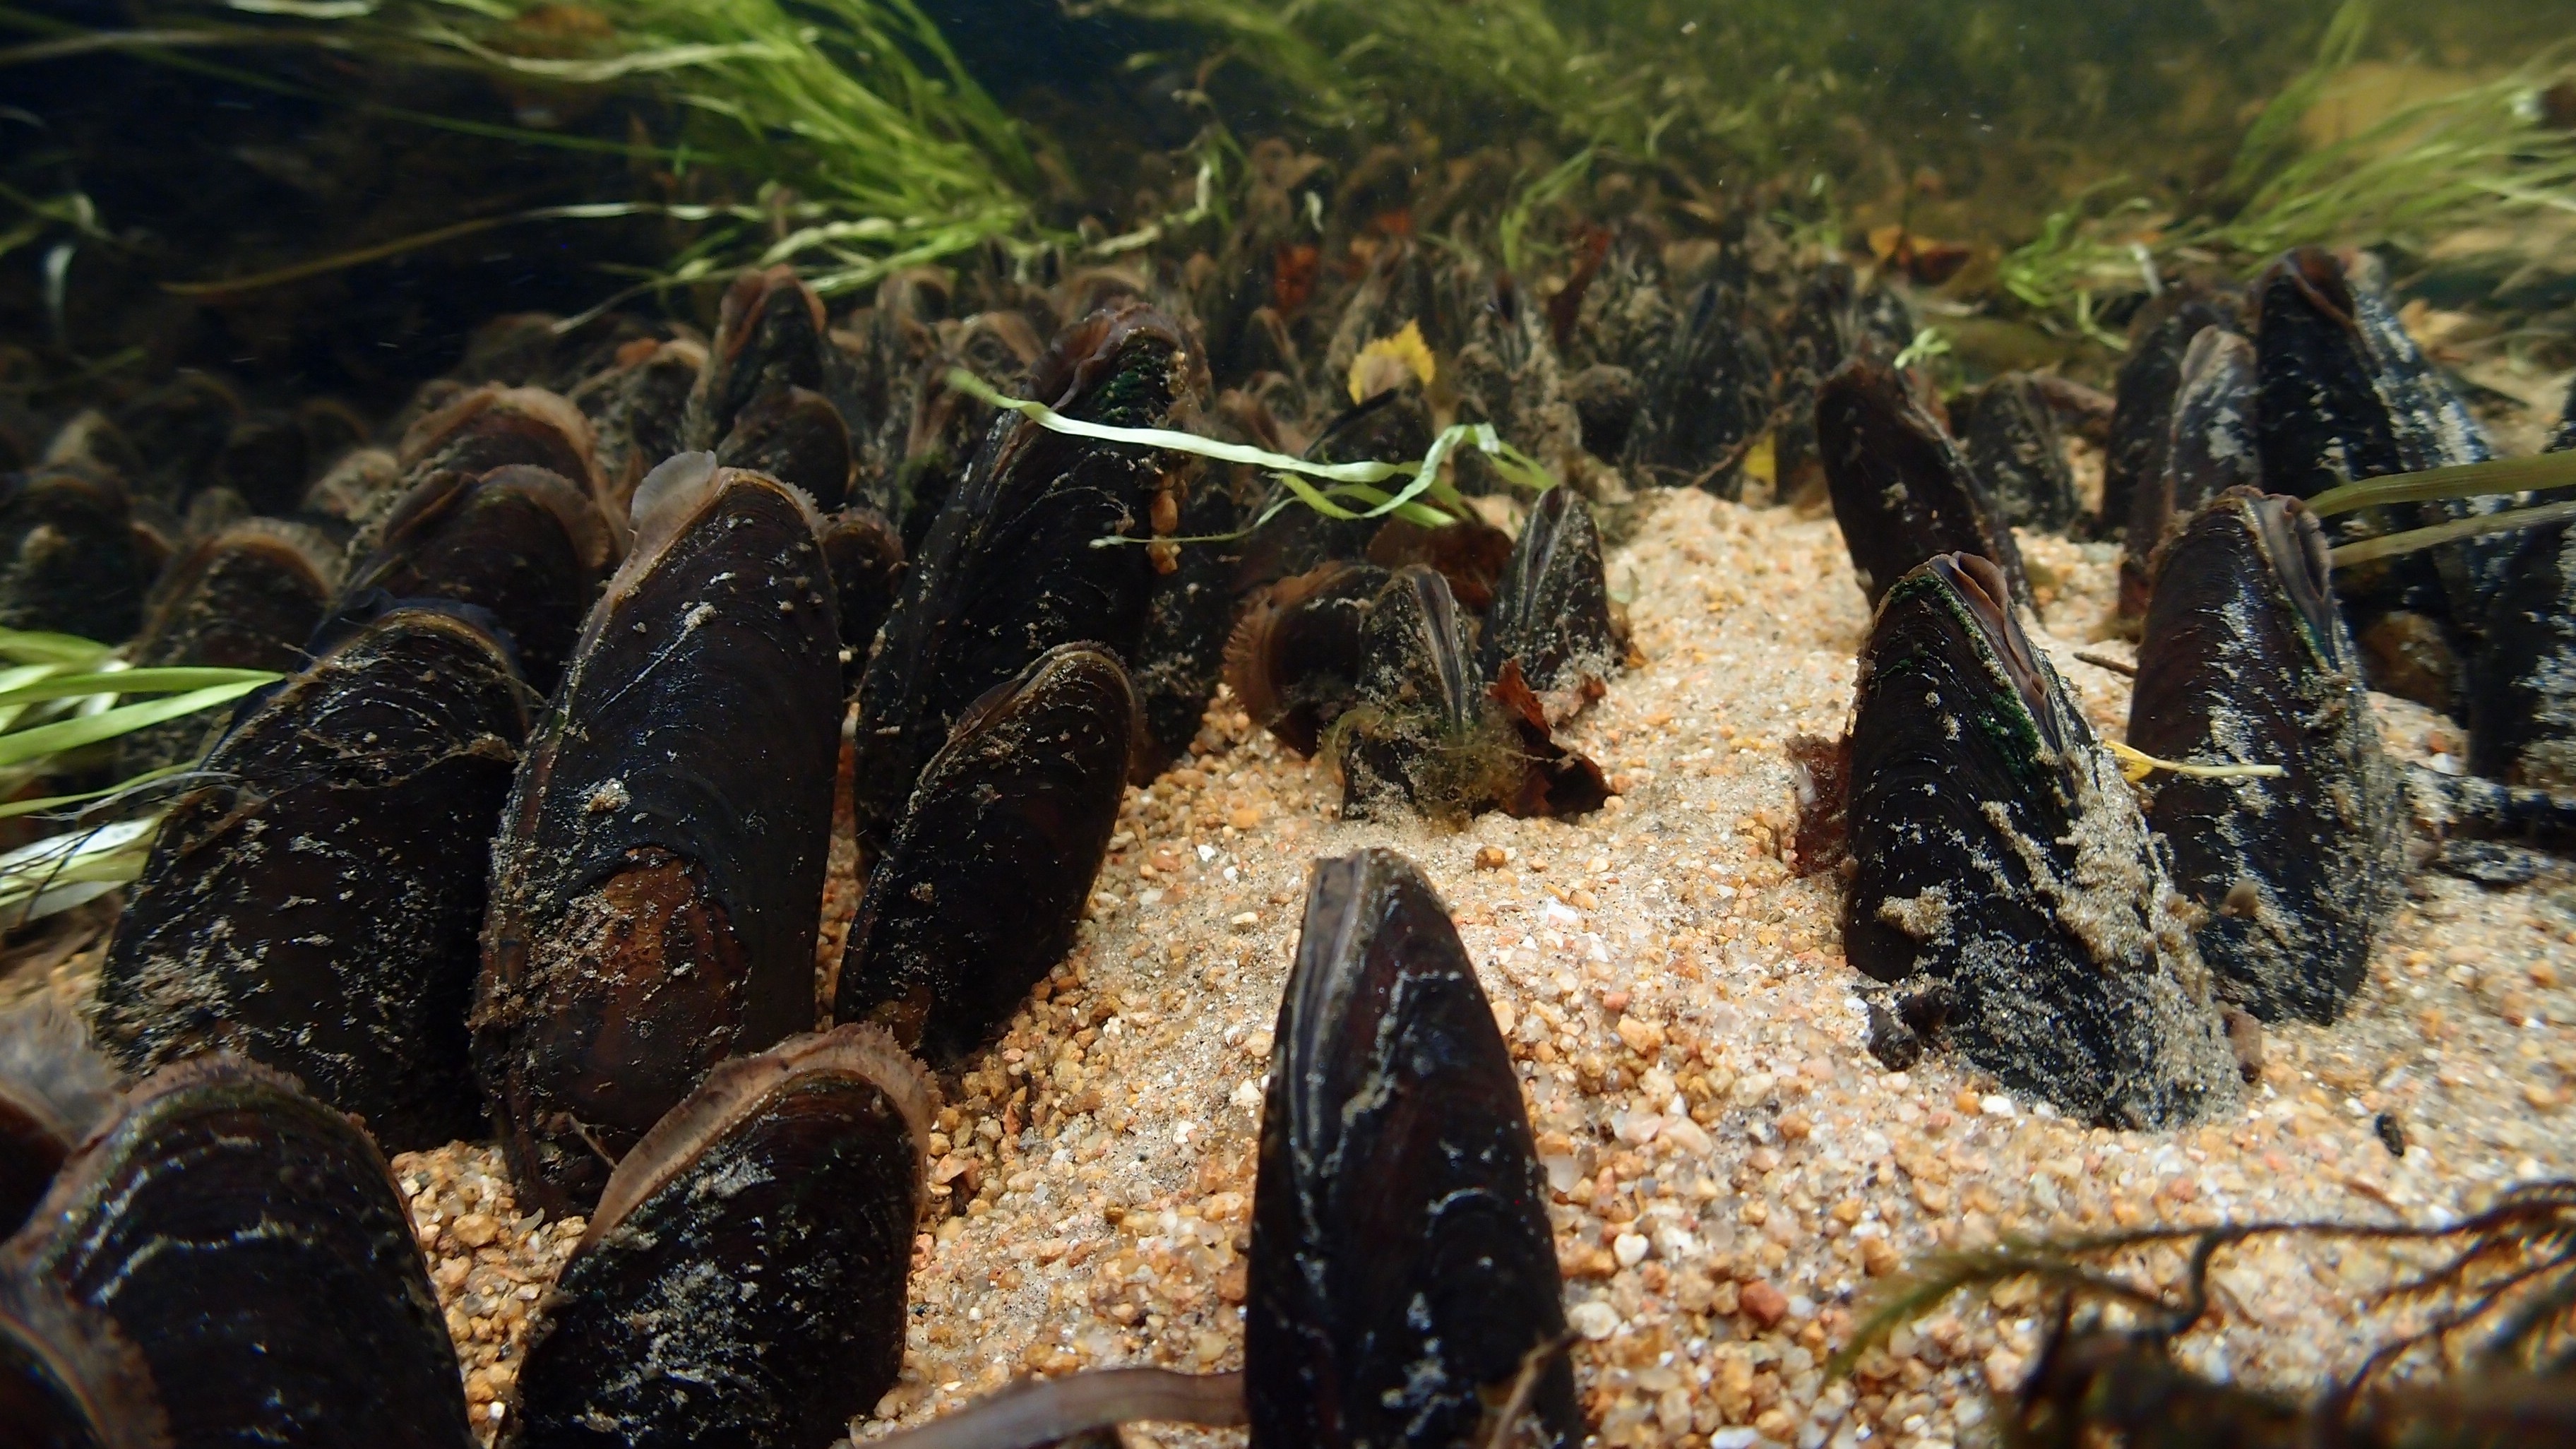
(1427, 732)
(2011, 439)
(251, 1246)
(2210, 446)
(2246, 661)
(984, 881)
(70, 561)
(2002, 861)
(1902, 491)
(636, 410)
(2142, 409)
(315, 905)
(2522, 680)
(659, 876)
(743, 1280)
(524, 543)
(1404, 1282)
(493, 427)
(1552, 608)
(1294, 658)
(1010, 569)
(770, 337)
(794, 435)
(248, 598)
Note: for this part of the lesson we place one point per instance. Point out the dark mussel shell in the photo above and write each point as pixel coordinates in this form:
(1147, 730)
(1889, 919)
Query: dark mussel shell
(2001, 856)
(316, 907)
(1507, 374)
(866, 559)
(1009, 570)
(1470, 553)
(1552, 609)
(250, 1244)
(1403, 1273)
(264, 461)
(2142, 410)
(659, 877)
(944, 426)
(2522, 690)
(1294, 659)
(1421, 735)
(70, 561)
(247, 598)
(525, 544)
(489, 427)
(636, 410)
(55, 1090)
(983, 883)
(794, 435)
(769, 338)
(356, 490)
(2210, 447)
(177, 430)
(2013, 443)
(1707, 399)
(1181, 654)
(743, 1281)
(1902, 491)
(68, 1379)
(2247, 662)
(1834, 320)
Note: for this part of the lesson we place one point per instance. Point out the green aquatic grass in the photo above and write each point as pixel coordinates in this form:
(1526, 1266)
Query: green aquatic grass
(62, 697)
(852, 139)
(2475, 158)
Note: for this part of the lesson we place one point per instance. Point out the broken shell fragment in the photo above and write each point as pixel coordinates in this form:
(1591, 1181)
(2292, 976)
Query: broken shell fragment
(1902, 491)
(980, 889)
(316, 906)
(2246, 661)
(250, 1244)
(1403, 1282)
(658, 880)
(743, 1280)
(2000, 854)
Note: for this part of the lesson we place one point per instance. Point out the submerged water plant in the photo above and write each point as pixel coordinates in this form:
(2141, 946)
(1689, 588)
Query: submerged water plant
(2478, 1332)
(2479, 156)
(860, 139)
(60, 697)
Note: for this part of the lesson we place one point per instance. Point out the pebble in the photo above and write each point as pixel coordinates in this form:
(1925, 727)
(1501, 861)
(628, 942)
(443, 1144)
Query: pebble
(1595, 1319)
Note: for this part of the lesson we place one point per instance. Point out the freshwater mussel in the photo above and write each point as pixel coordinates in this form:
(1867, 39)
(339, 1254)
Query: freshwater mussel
(2522, 681)
(1010, 568)
(315, 904)
(523, 543)
(1902, 490)
(2012, 441)
(743, 1279)
(232, 1262)
(983, 882)
(2150, 376)
(1404, 1286)
(248, 598)
(637, 409)
(2246, 662)
(2210, 446)
(2004, 875)
(658, 880)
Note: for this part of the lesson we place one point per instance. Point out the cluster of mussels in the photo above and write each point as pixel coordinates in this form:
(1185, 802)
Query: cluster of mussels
(534, 838)
(585, 673)
(2003, 879)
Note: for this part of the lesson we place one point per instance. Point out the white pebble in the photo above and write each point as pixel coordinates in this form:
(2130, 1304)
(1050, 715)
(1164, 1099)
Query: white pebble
(1630, 1249)
(1596, 1320)
(1996, 1104)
